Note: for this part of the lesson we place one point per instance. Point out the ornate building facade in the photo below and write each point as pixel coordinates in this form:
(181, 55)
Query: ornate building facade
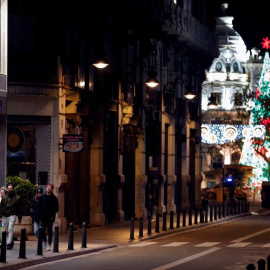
(230, 84)
(113, 147)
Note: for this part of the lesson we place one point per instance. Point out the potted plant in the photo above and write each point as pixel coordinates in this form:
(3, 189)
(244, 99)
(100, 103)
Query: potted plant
(26, 190)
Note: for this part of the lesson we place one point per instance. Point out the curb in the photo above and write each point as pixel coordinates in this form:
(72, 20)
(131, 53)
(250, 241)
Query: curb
(42, 259)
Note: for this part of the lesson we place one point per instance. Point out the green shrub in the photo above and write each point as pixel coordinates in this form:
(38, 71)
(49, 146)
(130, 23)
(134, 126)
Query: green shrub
(25, 189)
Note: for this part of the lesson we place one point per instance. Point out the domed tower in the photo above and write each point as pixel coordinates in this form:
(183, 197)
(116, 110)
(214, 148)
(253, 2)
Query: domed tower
(227, 82)
(227, 36)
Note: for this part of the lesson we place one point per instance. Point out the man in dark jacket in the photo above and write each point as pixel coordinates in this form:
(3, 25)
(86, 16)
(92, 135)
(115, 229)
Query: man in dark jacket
(34, 211)
(48, 206)
(10, 207)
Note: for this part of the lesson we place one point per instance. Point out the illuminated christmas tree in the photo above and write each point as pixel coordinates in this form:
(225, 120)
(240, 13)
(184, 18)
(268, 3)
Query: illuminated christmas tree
(256, 148)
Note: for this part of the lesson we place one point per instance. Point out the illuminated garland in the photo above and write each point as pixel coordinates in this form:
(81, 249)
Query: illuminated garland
(220, 134)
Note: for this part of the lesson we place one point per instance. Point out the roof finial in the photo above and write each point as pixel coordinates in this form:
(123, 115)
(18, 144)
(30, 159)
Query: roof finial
(224, 6)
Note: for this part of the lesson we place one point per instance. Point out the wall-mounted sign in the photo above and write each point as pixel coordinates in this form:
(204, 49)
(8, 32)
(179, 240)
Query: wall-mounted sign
(15, 139)
(72, 143)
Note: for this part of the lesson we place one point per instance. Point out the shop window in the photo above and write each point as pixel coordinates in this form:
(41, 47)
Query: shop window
(28, 152)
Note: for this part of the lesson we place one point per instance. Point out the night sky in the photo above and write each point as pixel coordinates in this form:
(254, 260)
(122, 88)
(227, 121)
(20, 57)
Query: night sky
(251, 21)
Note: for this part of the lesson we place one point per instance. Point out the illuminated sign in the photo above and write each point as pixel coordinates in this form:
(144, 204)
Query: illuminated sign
(72, 143)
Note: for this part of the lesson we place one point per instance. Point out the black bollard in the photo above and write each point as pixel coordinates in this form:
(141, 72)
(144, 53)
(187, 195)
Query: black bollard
(215, 212)
(149, 225)
(242, 206)
(39, 242)
(84, 235)
(238, 207)
(223, 209)
(171, 220)
(268, 262)
(219, 211)
(164, 227)
(247, 210)
(206, 214)
(157, 222)
(196, 216)
(251, 267)
(22, 244)
(190, 217)
(3, 256)
(71, 237)
(228, 209)
(141, 227)
(184, 217)
(201, 216)
(178, 219)
(231, 208)
(261, 264)
(131, 237)
(211, 213)
(56, 239)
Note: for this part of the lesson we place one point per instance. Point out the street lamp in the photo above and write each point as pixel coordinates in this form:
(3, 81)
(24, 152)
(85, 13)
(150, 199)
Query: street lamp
(101, 63)
(212, 102)
(152, 80)
(189, 95)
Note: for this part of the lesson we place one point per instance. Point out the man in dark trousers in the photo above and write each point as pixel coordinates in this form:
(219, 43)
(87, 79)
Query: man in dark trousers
(34, 211)
(10, 207)
(48, 206)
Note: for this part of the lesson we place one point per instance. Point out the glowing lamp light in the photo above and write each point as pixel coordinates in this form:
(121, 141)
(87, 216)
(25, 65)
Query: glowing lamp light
(189, 95)
(212, 102)
(101, 63)
(152, 81)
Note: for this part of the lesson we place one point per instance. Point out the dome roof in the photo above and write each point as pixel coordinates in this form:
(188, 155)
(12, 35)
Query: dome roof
(227, 37)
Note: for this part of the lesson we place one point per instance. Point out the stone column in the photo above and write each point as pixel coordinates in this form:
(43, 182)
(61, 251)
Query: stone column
(140, 210)
(161, 205)
(97, 217)
(120, 212)
(170, 193)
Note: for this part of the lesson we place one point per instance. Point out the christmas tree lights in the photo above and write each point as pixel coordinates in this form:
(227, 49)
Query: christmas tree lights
(256, 150)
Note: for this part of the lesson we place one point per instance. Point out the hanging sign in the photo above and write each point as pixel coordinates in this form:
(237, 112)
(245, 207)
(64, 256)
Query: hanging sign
(72, 143)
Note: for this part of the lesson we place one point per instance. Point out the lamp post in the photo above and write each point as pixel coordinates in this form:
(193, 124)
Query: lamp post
(223, 180)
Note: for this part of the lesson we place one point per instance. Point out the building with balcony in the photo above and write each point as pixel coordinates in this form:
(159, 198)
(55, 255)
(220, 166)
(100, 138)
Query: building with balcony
(113, 147)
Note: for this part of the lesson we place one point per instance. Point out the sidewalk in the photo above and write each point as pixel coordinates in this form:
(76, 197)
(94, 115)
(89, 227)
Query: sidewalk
(101, 238)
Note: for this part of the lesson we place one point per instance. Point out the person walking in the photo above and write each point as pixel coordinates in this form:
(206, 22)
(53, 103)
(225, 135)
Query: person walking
(10, 207)
(35, 214)
(2, 193)
(48, 206)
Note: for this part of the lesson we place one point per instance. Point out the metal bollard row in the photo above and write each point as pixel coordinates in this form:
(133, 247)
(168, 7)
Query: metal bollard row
(22, 249)
(205, 214)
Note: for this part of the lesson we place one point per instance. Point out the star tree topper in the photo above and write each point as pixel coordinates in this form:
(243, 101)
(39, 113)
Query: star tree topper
(266, 43)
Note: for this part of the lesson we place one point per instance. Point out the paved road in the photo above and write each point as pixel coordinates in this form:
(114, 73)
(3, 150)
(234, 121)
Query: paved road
(228, 245)
(104, 238)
